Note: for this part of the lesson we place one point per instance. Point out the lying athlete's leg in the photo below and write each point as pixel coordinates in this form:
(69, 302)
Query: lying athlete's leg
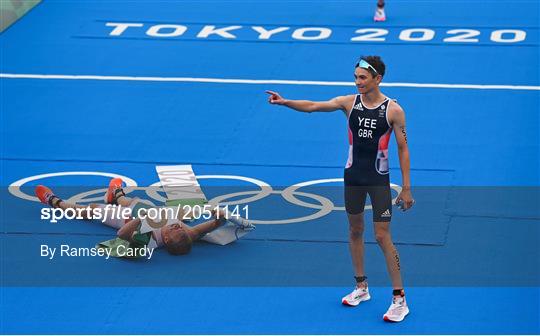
(124, 201)
(84, 211)
(107, 212)
(384, 239)
(47, 196)
(115, 193)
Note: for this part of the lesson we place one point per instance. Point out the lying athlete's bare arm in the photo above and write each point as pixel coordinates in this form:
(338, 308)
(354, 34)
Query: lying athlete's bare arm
(198, 231)
(127, 230)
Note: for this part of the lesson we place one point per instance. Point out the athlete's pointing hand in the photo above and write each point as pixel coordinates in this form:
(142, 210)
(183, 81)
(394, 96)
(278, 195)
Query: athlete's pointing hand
(275, 98)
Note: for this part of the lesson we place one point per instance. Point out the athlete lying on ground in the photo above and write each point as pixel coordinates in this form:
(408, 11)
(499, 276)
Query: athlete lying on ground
(177, 238)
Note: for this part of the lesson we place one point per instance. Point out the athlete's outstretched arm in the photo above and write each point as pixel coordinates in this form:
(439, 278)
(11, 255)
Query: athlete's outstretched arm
(127, 230)
(309, 106)
(398, 124)
(201, 229)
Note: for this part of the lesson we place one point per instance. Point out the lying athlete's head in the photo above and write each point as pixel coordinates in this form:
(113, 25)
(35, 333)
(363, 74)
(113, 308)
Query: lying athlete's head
(176, 239)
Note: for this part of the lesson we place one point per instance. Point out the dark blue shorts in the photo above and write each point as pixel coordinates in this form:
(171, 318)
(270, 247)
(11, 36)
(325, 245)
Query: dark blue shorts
(358, 185)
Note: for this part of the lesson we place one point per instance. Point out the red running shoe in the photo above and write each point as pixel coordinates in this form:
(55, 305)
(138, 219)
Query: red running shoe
(44, 194)
(115, 190)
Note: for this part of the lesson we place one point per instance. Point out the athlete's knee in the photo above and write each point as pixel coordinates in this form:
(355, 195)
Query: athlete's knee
(88, 212)
(94, 205)
(382, 235)
(356, 226)
(356, 231)
(383, 238)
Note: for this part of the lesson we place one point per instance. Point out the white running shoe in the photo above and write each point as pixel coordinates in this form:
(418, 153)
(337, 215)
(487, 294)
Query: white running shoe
(379, 16)
(397, 311)
(358, 295)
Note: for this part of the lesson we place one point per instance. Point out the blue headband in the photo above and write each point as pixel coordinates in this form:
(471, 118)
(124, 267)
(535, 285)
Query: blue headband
(365, 65)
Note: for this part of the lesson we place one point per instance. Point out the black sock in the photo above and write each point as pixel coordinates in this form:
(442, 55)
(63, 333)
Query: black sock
(399, 292)
(360, 279)
(117, 194)
(54, 201)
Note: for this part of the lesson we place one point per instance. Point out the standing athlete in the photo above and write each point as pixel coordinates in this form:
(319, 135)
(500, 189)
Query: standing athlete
(371, 118)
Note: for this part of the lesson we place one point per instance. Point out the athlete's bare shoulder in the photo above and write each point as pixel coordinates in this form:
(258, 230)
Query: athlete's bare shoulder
(345, 102)
(395, 112)
(348, 98)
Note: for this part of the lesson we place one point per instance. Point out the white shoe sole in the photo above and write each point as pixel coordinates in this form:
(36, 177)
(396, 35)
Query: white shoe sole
(355, 303)
(387, 319)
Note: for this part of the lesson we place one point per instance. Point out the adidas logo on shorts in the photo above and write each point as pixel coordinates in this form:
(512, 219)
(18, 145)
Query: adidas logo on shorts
(358, 107)
(386, 213)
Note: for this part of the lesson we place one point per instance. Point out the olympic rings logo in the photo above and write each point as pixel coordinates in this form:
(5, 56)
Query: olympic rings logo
(324, 206)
